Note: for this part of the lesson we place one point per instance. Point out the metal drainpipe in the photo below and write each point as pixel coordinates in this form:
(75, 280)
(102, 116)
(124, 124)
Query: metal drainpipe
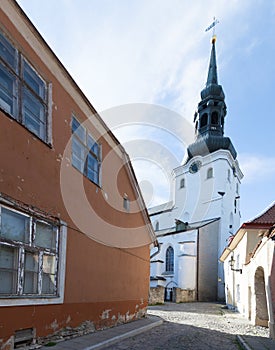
(197, 269)
(154, 254)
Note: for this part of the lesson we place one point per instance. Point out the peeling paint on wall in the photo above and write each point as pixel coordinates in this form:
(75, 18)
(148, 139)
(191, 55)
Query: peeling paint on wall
(105, 314)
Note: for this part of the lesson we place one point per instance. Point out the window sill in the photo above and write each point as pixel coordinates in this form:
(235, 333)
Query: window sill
(30, 301)
(48, 144)
(168, 273)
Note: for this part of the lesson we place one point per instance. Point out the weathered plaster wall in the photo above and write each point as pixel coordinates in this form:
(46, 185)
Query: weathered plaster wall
(104, 284)
(156, 295)
(184, 295)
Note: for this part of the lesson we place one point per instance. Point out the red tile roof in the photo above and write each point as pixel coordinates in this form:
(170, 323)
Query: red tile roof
(266, 218)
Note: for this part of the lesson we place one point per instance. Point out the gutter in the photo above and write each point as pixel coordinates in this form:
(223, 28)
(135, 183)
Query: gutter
(158, 246)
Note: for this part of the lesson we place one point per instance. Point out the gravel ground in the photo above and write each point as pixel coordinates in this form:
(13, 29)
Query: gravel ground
(195, 326)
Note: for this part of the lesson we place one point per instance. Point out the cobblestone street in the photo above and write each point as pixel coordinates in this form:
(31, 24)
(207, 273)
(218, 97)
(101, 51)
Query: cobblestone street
(195, 326)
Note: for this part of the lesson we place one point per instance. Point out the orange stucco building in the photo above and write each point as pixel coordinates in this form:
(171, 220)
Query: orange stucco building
(75, 234)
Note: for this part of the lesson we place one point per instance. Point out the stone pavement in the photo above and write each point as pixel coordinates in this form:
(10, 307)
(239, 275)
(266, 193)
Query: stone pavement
(196, 326)
(255, 343)
(107, 337)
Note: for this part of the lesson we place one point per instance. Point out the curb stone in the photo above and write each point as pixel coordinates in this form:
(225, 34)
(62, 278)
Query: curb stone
(243, 343)
(124, 336)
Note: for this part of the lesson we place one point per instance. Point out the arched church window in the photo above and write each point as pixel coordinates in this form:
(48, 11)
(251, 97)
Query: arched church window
(157, 225)
(169, 259)
(214, 118)
(182, 183)
(204, 119)
(209, 173)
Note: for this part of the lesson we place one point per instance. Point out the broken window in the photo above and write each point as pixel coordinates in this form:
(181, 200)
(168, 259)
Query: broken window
(23, 93)
(29, 252)
(86, 152)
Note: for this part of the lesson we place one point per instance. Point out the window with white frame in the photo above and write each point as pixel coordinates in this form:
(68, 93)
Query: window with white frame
(86, 152)
(29, 255)
(23, 93)
(182, 183)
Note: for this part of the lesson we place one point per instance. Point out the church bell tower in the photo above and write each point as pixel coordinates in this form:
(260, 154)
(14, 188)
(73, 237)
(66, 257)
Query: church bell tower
(209, 120)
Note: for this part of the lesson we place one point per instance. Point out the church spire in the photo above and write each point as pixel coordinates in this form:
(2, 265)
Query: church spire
(209, 120)
(212, 71)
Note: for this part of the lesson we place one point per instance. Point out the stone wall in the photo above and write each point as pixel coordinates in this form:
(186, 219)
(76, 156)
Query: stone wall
(184, 295)
(156, 295)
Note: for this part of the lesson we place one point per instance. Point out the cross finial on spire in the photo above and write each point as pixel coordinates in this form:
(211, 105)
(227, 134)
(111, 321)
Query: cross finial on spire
(212, 25)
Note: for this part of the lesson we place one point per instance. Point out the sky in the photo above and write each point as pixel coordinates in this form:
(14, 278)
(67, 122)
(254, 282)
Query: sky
(143, 63)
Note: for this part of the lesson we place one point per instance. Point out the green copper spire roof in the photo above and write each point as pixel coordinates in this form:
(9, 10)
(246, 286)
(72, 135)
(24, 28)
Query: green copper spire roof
(212, 87)
(209, 120)
(212, 71)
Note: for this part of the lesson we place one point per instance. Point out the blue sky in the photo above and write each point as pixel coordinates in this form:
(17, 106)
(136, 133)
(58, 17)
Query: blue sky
(152, 55)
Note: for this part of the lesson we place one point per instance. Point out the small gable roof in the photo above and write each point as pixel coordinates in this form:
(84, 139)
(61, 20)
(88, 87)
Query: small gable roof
(266, 218)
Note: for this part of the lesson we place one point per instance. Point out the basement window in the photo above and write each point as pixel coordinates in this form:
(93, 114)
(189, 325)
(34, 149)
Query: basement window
(29, 255)
(23, 338)
(23, 92)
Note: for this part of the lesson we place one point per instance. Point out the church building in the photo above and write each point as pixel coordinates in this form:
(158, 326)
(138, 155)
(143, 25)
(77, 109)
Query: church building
(194, 227)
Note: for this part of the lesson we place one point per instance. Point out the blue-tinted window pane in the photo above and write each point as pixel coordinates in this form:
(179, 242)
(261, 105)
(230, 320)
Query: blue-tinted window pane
(92, 168)
(93, 146)
(170, 259)
(8, 91)
(78, 154)
(78, 130)
(14, 226)
(34, 81)
(8, 52)
(34, 114)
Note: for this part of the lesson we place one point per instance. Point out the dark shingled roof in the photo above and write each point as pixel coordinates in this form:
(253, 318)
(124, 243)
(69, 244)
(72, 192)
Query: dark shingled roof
(266, 218)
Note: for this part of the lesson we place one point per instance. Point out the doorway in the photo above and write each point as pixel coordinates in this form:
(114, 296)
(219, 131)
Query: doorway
(261, 318)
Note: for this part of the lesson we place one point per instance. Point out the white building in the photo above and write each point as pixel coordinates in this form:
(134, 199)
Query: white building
(194, 227)
(249, 269)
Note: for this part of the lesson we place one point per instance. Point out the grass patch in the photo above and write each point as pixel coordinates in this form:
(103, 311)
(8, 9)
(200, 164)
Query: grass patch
(51, 343)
